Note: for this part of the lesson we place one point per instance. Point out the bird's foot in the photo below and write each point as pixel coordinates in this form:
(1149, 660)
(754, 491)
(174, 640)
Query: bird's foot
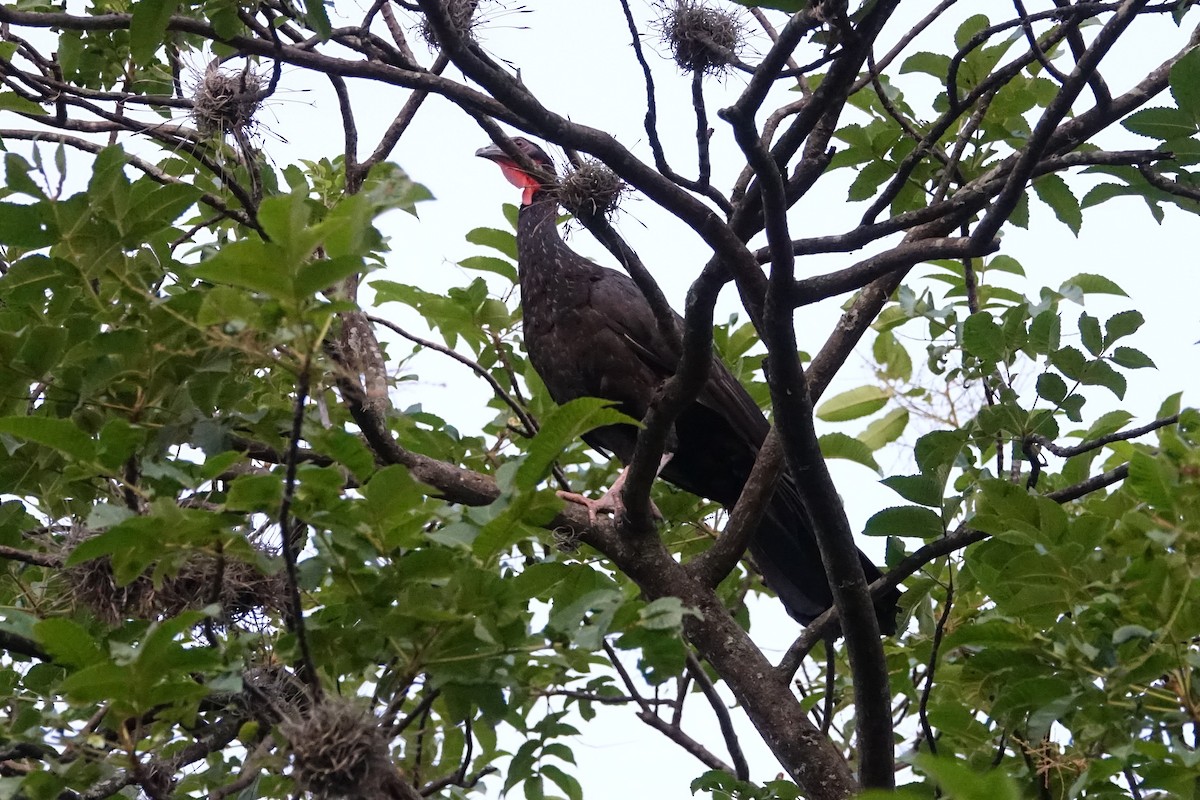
(609, 503)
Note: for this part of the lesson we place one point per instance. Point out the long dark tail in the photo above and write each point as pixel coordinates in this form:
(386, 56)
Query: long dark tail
(790, 561)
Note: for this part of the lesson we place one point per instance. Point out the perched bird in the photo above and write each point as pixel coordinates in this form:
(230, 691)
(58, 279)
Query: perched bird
(590, 332)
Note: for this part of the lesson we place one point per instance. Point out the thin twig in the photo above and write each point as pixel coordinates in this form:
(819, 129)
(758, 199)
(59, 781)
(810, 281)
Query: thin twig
(696, 670)
(29, 557)
(288, 532)
(1097, 443)
(931, 667)
(830, 686)
(531, 426)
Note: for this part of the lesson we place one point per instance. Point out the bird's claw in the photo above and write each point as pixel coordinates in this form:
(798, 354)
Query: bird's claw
(609, 503)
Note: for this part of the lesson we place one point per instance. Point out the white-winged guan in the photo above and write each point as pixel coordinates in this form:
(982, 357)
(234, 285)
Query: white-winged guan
(590, 332)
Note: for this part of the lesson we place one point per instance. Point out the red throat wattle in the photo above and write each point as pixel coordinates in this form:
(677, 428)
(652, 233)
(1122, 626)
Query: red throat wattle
(521, 179)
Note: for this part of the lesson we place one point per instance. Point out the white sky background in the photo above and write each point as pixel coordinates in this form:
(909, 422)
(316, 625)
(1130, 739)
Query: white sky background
(575, 55)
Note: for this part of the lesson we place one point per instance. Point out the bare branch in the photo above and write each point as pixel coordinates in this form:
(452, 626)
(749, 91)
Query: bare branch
(1160, 181)
(696, 670)
(931, 666)
(826, 515)
(30, 557)
(1096, 444)
(291, 547)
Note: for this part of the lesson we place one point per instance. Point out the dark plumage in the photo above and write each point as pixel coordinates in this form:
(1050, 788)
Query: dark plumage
(590, 333)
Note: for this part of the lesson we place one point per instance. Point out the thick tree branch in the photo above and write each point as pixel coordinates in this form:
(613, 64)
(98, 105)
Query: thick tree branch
(822, 505)
(901, 257)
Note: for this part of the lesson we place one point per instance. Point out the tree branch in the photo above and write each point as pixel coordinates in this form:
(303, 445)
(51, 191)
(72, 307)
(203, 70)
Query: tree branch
(822, 505)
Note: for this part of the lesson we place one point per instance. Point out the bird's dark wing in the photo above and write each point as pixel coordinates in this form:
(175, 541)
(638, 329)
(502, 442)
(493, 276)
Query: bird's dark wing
(628, 313)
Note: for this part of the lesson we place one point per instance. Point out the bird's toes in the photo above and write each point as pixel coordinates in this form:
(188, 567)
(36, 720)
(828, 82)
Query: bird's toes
(610, 503)
(605, 505)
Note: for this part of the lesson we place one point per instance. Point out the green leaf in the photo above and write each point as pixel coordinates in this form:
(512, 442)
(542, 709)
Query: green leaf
(1007, 264)
(853, 404)
(665, 613)
(324, 273)
(1161, 123)
(1092, 284)
(1121, 325)
(318, 18)
(1127, 632)
(1130, 358)
(869, 179)
(26, 226)
(1108, 423)
(10, 101)
(1153, 481)
(491, 264)
(840, 445)
(885, 430)
(16, 174)
(983, 338)
(148, 27)
(41, 350)
(1045, 332)
(154, 207)
(504, 241)
(1170, 406)
(347, 229)
(250, 265)
(960, 782)
(1051, 387)
(893, 358)
(61, 434)
(1053, 191)
(123, 536)
(105, 515)
(1185, 83)
(969, 27)
(905, 521)
(1070, 361)
(101, 682)
(1089, 331)
(938, 450)
(255, 493)
(561, 427)
(570, 786)
(68, 641)
(935, 64)
(1099, 373)
(387, 187)
(922, 489)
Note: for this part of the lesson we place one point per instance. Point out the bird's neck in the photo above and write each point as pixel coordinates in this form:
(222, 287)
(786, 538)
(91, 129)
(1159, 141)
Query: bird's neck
(539, 244)
(546, 266)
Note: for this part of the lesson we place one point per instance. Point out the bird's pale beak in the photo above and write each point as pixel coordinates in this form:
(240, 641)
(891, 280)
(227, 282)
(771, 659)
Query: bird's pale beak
(493, 152)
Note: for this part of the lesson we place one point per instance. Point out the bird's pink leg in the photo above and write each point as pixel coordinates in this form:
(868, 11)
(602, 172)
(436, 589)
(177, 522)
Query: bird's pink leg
(610, 502)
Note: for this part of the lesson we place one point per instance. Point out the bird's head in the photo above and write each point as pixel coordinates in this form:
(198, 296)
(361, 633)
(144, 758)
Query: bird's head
(527, 182)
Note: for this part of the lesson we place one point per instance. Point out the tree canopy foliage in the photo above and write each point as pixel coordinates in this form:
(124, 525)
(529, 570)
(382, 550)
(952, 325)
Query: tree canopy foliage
(234, 565)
